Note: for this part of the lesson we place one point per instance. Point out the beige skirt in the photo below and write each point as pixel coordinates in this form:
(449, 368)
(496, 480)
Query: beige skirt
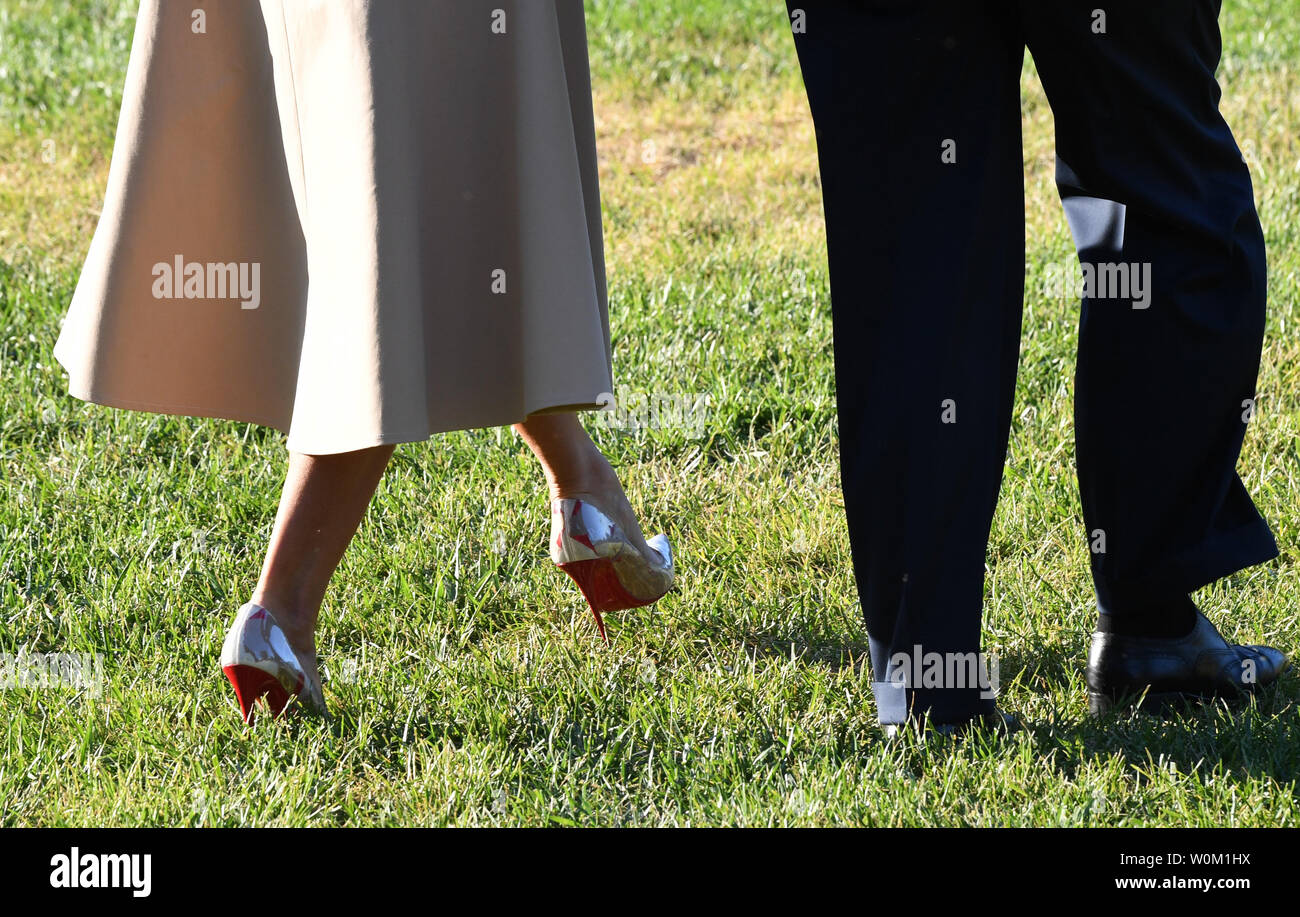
(356, 221)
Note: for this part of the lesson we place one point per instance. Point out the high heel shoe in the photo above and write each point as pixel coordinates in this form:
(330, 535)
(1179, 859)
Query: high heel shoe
(611, 572)
(259, 662)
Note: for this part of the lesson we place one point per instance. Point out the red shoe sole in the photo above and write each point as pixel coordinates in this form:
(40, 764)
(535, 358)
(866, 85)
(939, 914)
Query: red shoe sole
(251, 683)
(602, 589)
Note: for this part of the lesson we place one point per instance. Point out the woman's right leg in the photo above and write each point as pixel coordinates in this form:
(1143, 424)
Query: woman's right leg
(321, 506)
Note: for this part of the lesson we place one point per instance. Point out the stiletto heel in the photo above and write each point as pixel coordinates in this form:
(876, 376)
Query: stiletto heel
(611, 572)
(259, 662)
(251, 684)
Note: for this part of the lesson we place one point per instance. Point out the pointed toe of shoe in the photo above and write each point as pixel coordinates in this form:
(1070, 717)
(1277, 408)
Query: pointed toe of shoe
(663, 547)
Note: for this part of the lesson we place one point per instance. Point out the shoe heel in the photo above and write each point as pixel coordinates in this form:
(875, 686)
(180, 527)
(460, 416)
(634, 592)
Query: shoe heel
(1100, 704)
(598, 583)
(252, 683)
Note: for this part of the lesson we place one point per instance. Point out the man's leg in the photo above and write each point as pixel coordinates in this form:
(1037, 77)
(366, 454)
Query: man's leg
(917, 111)
(1161, 207)
(1152, 180)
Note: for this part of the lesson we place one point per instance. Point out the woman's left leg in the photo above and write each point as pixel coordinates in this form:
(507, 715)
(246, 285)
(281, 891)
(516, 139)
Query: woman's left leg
(576, 469)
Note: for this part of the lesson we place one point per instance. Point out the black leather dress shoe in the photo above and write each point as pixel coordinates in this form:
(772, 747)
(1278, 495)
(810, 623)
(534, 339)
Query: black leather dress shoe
(1162, 672)
(995, 723)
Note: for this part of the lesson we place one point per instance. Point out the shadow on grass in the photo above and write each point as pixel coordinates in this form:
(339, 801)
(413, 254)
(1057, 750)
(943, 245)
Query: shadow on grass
(1257, 736)
(821, 644)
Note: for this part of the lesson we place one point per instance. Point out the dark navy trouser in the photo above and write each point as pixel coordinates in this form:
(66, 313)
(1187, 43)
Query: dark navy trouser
(916, 104)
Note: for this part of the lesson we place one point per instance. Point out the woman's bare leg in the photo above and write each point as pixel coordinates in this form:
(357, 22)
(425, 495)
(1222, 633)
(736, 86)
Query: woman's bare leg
(576, 469)
(321, 506)
(325, 498)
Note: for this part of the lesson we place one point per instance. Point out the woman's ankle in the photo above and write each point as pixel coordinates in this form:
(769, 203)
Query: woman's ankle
(593, 476)
(295, 616)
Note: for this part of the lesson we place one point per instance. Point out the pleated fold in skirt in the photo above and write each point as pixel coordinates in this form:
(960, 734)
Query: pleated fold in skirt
(359, 222)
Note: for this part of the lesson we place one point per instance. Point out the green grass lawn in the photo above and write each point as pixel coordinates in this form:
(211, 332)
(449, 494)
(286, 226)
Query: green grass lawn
(468, 684)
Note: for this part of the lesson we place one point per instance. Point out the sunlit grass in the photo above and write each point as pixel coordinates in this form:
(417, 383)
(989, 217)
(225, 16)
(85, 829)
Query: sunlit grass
(467, 681)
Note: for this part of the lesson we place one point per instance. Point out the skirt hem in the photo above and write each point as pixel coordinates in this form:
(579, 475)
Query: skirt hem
(381, 439)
